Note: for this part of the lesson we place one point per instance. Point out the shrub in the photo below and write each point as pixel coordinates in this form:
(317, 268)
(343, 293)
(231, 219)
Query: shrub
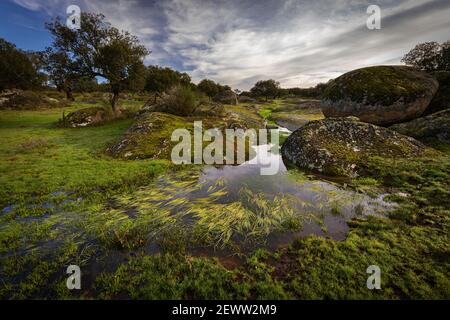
(28, 100)
(180, 100)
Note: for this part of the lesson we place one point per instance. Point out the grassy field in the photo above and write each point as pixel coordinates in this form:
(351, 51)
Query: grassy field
(290, 113)
(38, 158)
(59, 200)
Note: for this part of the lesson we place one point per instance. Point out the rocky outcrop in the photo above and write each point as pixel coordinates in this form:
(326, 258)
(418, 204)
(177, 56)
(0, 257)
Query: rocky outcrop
(227, 97)
(27, 100)
(246, 99)
(342, 146)
(148, 137)
(441, 100)
(381, 95)
(86, 117)
(431, 127)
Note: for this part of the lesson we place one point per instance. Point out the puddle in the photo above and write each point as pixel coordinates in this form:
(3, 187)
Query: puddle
(236, 208)
(328, 202)
(8, 209)
(50, 206)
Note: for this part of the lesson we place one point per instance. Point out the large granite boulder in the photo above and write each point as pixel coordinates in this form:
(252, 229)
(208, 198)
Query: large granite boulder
(342, 146)
(227, 97)
(441, 100)
(148, 137)
(86, 117)
(431, 127)
(381, 95)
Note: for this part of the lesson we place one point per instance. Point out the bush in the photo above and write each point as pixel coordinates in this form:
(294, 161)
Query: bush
(28, 100)
(179, 100)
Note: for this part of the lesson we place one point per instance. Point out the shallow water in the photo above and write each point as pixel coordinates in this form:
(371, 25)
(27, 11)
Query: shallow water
(237, 207)
(315, 196)
(231, 208)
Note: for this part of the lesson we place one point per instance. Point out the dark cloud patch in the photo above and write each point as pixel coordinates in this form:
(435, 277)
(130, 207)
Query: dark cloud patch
(297, 42)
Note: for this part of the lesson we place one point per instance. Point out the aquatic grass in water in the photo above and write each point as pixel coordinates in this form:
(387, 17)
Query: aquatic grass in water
(233, 207)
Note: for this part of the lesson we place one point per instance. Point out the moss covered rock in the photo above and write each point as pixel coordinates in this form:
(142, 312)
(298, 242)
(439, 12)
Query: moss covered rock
(433, 126)
(441, 100)
(150, 135)
(341, 146)
(86, 117)
(28, 100)
(227, 97)
(381, 95)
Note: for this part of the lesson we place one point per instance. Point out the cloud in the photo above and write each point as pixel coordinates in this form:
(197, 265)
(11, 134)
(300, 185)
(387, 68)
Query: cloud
(49, 7)
(29, 4)
(297, 42)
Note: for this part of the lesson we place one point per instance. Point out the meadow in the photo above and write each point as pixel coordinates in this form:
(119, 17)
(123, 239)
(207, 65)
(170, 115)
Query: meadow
(147, 229)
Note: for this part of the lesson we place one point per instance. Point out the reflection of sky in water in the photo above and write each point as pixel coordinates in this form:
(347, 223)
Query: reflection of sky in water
(320, 196)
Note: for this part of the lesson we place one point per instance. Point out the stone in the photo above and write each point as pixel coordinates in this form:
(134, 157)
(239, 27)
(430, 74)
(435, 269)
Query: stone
(227, 97)
(342, 146)
(381, 95)
(441, 100)
(86, 117)
(425, 129)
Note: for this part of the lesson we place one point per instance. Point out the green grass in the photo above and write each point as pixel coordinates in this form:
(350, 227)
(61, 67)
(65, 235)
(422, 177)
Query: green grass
(38, 158)
(281, 111)
(265, 113)
(68, 160)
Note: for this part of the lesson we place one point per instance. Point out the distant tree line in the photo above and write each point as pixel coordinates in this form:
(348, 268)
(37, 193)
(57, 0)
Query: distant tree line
(211, 88)
(78, 58)
(271, 89)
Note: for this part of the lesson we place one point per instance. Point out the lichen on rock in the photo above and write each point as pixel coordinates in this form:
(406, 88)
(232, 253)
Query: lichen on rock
(342, 146)
(86, 117)
(433, 126)
(380, 95)
(150, 135)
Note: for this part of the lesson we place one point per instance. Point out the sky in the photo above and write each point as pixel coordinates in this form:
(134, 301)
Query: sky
(297, 42)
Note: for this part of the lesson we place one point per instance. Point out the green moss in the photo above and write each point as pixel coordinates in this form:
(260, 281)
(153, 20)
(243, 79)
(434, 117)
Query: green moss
(409, 247)
(171, 277)
(380, 85)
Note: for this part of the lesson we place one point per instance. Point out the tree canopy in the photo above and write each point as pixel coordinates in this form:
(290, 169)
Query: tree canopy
(266, 88)
(16, 68)
(161, 79)
(99, 50)
(211, 88)
(429, 56)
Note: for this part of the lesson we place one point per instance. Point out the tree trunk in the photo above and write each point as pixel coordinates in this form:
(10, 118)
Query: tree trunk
(69, 95)
(114, 99)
